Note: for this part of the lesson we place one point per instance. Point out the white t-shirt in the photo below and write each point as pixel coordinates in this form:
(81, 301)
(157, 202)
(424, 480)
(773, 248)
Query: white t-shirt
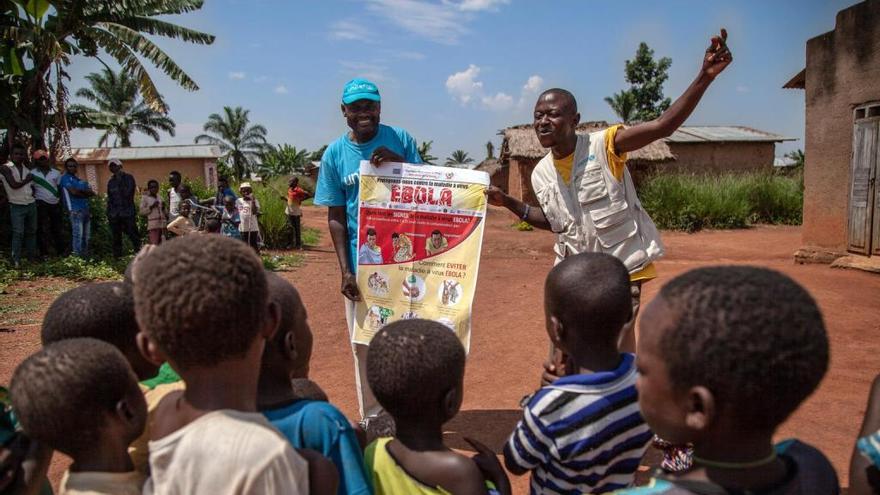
(173, 203)
(100, 483)
(53, 178)
(226, 452)
(246, 215)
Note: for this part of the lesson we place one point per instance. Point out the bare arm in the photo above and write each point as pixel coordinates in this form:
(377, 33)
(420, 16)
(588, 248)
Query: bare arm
(861, 471)
(337, 224)
(716, 59)
(7, 174)
(535, 216)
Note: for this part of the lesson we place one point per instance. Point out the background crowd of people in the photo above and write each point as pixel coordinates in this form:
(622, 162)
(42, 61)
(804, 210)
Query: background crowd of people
(39, 195)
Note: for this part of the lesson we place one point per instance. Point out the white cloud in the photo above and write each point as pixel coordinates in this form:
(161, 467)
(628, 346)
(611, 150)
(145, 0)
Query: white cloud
(376, 72)
(466, 88)
(237, 75)
(742, 89)
(478, 5)
(463, 86)
(439, 22)
(281, 89)
(350, 30)
(500, 101)
(530, 90)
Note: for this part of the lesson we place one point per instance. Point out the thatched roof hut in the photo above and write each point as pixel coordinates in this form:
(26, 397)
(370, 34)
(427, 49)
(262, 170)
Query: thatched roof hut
(520, 141)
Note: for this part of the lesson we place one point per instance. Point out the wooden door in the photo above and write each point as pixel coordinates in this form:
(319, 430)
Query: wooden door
(862, 197)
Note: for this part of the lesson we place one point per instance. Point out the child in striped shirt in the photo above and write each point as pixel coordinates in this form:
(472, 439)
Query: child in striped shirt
(583, 433)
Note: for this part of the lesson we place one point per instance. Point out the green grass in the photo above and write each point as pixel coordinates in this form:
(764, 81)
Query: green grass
(281, 263)
(71, 268)
(692, 203)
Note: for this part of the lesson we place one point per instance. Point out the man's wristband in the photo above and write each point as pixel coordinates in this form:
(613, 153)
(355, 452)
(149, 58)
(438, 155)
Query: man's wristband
(526, 211)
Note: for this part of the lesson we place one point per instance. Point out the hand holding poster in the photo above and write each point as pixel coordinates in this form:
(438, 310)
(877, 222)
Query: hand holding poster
(419, 240)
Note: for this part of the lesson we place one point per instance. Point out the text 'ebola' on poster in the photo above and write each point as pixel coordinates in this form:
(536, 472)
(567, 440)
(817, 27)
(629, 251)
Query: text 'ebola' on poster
(419, 241)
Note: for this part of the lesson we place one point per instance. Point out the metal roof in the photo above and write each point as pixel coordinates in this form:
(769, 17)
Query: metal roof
(723, 134)
(147, 152)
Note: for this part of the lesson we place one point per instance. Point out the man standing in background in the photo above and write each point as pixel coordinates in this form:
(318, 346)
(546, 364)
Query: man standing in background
(120, 207)
(16, 179)
(47, 193)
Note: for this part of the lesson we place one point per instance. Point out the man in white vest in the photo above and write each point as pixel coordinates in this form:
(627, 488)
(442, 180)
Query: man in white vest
(585, 193)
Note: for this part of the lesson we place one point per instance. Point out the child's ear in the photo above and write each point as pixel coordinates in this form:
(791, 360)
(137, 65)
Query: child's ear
(149, 350)
(700, 409)
(555, 330)
(290, 347)
(273, 319)
(452, 401)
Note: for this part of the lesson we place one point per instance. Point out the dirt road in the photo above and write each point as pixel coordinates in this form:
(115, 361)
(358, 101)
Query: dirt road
(509, 343)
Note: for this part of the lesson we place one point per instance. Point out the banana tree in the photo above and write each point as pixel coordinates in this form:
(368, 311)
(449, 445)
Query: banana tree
(46, 33)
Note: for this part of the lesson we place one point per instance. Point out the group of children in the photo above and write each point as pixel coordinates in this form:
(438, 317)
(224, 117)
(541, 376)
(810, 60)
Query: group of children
(191, 377)
(231, 216)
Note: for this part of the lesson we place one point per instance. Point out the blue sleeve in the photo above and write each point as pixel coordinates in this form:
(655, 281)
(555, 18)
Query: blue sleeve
(329, 191)
(330, 433)
(528, 447)
(410, 148)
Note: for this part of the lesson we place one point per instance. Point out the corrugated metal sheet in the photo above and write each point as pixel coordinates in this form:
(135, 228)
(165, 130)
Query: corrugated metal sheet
(722, 134)
(147, 152)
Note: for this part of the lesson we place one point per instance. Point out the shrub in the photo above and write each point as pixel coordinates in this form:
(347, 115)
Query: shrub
(694, 202)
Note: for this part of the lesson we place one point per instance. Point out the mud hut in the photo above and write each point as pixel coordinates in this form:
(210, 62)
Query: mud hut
(842, 145)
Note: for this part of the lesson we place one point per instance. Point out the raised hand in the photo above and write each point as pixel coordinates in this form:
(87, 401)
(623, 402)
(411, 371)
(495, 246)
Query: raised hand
(718, 55)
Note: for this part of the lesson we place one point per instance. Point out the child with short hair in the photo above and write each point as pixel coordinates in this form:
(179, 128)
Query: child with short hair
(725, 355)
(416, 371)
(308, 424)
(80, 397)
(248, 207)
(105, 311)
(202, 302)
(153, 208)
(182, 224)
(229, 218)
(583, 433)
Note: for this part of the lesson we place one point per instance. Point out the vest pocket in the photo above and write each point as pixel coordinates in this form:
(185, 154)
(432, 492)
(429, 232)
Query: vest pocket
(554, 209)
(592, 187)
(614, 224)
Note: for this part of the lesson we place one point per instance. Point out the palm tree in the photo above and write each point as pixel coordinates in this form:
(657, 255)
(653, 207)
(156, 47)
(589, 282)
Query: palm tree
(624, 105)
(425, 152)
(458, 158)
(242, 144)
(46, 34)
(120, 110)
(283, 159)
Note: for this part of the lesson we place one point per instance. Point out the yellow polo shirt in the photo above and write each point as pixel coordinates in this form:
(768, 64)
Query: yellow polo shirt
(617, 164)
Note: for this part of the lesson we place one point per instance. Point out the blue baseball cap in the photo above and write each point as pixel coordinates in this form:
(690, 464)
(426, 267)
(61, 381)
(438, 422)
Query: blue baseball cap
(359, 89)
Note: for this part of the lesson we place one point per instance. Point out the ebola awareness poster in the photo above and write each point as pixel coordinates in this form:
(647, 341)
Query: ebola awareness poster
(419, 241)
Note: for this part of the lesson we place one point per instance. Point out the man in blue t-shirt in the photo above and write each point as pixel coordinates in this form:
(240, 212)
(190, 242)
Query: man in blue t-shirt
(76, 193)
(338, 188)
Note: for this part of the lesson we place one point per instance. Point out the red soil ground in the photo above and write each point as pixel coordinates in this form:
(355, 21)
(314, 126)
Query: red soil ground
(509, 343)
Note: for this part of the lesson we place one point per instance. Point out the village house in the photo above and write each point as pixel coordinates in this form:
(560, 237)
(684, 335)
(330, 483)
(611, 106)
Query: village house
(691, 149)
(841, 197)
(193, 161)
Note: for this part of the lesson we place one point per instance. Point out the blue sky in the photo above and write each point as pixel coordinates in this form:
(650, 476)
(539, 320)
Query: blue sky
(457, 71)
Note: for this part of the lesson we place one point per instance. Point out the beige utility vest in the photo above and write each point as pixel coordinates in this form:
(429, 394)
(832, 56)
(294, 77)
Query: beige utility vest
(22, 196)
(596, 212)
